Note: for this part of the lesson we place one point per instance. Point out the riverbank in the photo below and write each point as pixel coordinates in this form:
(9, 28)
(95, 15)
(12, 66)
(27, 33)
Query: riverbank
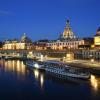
(92, 67)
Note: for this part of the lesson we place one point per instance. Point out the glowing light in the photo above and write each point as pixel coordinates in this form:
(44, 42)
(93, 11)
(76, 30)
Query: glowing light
(92, 60)
(68, 55)
(13, 65)
(94, 82)
(41, 80)
(36, 65)
(36, 72)
(23, 68)
(30, 53)
(18, 66)
(92, 77)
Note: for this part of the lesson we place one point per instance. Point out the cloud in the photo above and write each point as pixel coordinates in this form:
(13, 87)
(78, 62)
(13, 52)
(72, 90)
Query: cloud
(5, 12)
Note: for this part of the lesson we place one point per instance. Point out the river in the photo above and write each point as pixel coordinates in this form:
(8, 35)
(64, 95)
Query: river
(19, 82)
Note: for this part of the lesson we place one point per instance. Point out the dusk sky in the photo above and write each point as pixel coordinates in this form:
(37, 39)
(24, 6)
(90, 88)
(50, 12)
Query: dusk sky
(46, 19)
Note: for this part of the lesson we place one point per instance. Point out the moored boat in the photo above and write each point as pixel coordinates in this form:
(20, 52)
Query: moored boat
(59, 68)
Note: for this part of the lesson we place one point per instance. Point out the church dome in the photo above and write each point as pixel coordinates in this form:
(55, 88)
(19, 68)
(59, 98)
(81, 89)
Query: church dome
(25, 39)
(68, 33)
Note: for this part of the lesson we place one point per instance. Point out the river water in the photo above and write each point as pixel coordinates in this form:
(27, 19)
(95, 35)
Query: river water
(19, 82)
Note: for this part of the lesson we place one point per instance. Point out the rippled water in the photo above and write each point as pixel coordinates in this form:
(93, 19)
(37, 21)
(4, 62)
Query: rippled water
(18, 82)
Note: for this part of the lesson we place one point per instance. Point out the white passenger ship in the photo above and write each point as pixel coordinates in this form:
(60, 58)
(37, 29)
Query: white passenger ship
(58, 68)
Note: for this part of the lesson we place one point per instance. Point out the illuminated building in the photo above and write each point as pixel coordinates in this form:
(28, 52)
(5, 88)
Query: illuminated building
(97, 38)
(59, 45)
(40, 44)
(24, 43)
(88, 42)
(67, 40)
(94, 52)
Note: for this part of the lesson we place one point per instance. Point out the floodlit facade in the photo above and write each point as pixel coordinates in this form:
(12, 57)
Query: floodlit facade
(40, 44)
(24, 43)
(67, 40)
(59, 45)
(97, 38)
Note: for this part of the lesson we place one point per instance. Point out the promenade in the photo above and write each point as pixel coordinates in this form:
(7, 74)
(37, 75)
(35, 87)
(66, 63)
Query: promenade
(84, 63)
(79, 63)
(92, 66)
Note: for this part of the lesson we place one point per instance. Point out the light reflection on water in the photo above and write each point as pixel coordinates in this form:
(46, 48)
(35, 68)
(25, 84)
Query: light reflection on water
(39, 76)
(36, 73)
(17, 67)
(95, 82)
(42, 80)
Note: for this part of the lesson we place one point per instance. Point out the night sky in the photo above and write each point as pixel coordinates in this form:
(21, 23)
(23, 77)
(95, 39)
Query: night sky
(42, 19)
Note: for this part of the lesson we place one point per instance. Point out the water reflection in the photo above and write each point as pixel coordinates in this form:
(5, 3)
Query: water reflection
(39, 76)
(42, 80)
(94, 82)
(18, 68)
(14, 66)
(36, 73)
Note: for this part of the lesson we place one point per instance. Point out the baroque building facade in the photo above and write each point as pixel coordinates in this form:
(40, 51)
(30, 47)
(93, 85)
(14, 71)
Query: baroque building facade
(67, 40)
(24, 43)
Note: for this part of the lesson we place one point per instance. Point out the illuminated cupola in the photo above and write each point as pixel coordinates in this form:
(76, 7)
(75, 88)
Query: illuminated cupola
(25, 39)
(68, 33)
